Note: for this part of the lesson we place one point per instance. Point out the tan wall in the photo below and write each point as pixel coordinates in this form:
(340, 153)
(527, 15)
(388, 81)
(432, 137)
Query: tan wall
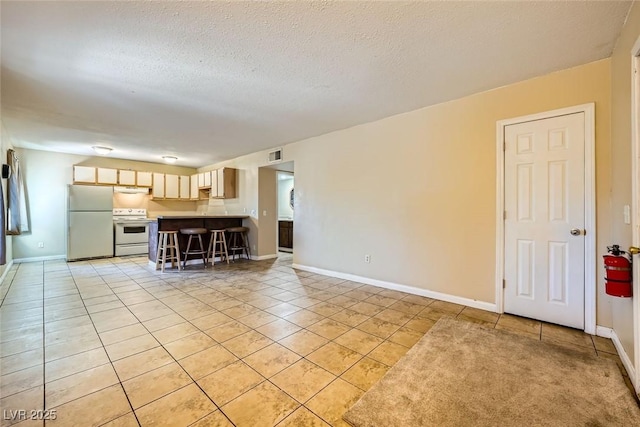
(416, 191)
(268, 209)
(247, 200)
(621, 89)
(46, 177)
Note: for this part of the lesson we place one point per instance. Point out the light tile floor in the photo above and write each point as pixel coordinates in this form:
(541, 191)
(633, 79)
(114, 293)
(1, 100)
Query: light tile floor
(113, 342)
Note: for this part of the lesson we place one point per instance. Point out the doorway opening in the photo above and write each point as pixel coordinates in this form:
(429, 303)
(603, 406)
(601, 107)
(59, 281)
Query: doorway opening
(280, 226)
(286, 203)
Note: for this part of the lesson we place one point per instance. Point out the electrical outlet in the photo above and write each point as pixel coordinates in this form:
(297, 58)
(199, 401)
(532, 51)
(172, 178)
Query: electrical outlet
(367, 258)
(41, 244)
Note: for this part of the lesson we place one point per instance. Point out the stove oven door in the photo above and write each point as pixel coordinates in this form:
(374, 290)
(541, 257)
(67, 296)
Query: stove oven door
(131, 237)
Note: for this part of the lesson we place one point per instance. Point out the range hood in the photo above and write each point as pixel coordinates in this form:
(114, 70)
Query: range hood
(131, 190)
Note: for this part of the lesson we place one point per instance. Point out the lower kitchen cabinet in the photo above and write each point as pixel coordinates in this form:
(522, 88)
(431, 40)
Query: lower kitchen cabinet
(285, 234)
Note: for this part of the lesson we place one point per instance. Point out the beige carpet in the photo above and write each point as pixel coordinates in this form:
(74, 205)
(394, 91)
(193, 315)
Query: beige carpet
(462, 374)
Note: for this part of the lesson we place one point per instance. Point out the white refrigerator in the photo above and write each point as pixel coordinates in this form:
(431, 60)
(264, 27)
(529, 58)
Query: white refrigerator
(89, 222)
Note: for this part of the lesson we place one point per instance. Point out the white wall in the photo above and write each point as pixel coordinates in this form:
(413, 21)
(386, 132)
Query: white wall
(285, 185)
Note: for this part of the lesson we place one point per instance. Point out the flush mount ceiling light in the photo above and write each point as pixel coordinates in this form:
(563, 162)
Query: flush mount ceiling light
(103, 151)
(169, 159)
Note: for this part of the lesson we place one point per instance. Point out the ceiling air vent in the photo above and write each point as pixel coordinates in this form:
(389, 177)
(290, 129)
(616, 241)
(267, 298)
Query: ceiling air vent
(275, 156)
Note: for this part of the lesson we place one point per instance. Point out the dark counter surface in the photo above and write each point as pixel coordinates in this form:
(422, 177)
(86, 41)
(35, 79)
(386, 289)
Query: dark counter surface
(199, 217)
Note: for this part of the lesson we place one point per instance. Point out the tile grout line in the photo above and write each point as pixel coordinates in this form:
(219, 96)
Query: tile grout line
(303, 404)
(219, 343)
(169, 353)
(44, 348)
(105, 350)
(13, 277)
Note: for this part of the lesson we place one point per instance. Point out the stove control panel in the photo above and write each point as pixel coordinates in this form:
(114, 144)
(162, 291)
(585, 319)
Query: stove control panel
(140, 213)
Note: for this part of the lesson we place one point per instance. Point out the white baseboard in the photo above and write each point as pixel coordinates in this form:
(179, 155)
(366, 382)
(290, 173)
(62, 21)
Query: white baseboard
(39, 258)
(604, 332)
(482, 305)
(7, 267)
(263, 257)
(625, 358)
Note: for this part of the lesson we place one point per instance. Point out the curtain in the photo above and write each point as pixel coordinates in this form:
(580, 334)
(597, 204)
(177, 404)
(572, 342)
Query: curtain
(17, 220)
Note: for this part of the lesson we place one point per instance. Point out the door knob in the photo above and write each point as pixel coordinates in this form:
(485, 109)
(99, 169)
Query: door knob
(576, 232)
(633, 250)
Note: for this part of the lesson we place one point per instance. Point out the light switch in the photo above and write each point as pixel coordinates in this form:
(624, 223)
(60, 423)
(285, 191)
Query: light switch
(627, 214)
(264, 213)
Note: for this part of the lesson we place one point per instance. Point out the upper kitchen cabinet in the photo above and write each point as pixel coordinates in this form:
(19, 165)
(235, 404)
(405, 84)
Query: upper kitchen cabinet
(144, 179)
(107, 176)
(195, 189)
(126, 177)
(185, 190)
(226, 185)
(84, 175)
(171, 186)
(174, 187)
(157, 191)
(214, 184)
(204, 180)
(163, 186)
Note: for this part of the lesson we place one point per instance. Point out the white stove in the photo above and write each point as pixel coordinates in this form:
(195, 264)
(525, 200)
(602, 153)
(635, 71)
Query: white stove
(131, 232)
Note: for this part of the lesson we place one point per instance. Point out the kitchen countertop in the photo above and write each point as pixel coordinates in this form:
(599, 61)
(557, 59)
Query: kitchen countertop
(198, 216)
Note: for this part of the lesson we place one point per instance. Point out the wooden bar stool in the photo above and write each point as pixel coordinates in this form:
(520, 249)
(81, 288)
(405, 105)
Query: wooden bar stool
(200, 250)
(217, 246)
(239, 242)
(168, 249)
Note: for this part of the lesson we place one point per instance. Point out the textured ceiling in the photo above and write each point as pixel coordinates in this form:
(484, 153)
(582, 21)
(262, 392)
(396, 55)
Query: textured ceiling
(209, 81)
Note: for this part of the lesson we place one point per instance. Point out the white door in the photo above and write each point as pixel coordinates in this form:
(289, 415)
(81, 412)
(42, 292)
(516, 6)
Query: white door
(544, 219)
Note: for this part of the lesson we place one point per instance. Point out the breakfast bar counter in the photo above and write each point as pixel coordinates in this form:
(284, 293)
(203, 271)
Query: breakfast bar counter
(176, 222)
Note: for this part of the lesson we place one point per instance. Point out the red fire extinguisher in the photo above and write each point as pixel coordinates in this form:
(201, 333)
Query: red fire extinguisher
(618, 278)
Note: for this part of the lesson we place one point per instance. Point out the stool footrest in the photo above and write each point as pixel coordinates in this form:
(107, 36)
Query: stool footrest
(199, 250)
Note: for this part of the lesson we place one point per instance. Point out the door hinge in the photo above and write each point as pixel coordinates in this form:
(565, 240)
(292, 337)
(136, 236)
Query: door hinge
(504, 283)
(504, 145)
(504, 214)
